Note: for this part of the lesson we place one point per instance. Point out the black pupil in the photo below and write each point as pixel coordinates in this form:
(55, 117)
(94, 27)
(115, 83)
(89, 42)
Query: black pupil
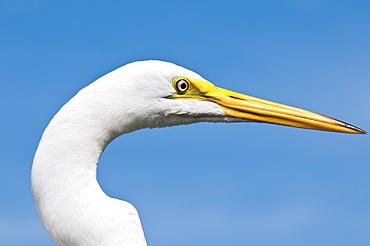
(183, 85)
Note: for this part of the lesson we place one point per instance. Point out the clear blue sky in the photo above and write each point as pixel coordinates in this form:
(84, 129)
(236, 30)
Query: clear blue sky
(240, 184)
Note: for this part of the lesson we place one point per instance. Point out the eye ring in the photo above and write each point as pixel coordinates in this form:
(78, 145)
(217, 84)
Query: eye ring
(182, 85)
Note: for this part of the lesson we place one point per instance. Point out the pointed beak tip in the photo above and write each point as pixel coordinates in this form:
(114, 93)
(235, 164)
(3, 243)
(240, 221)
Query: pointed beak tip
(360, 131)
(351, 128)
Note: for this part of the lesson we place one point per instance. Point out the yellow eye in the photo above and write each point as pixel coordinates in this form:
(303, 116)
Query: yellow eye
(182, 85)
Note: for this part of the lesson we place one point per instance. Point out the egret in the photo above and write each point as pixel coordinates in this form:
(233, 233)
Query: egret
(146, 94)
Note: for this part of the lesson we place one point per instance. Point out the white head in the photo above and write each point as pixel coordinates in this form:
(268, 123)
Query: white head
(145, 94)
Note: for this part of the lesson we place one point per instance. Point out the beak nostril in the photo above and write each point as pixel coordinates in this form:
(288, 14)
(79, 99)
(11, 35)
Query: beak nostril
(237, 98)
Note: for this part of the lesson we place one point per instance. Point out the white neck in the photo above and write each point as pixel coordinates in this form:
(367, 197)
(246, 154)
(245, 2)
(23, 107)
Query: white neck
(73, 208)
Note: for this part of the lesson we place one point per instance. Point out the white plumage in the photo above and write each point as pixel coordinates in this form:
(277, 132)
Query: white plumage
(72, 207)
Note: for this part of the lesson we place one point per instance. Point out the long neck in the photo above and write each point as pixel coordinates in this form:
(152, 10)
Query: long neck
(72, 207)
(66, 161)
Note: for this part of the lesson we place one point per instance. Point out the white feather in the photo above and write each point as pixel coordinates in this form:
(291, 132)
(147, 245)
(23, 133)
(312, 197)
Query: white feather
(73, 208)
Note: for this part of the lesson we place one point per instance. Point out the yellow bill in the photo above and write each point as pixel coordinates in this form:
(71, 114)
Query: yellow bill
(258, 110)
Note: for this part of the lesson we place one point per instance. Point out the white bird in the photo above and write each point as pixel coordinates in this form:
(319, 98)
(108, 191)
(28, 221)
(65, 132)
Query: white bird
(72, 207)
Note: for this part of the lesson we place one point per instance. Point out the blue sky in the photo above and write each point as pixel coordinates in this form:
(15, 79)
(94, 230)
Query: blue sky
(239, 184)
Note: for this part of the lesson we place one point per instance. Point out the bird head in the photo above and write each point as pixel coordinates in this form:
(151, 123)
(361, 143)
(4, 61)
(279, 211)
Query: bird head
(159, 94)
